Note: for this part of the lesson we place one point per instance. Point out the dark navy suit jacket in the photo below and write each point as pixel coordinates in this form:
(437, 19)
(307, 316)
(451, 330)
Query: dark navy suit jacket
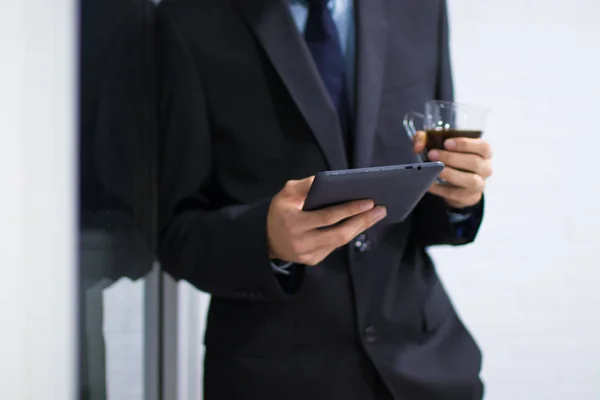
(243, 111)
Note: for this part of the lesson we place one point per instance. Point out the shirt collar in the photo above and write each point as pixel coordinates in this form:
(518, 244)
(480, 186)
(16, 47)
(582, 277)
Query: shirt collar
(304, 3)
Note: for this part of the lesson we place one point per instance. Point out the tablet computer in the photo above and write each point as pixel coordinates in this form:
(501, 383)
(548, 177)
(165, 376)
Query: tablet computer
(397, 187)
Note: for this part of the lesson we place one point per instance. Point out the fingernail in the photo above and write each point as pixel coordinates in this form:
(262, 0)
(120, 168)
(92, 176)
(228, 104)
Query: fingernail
(366, 205)
(450, 144)
(380, 213)
(433, 155)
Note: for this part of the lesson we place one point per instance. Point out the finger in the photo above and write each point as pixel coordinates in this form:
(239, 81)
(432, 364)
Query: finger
(467, 180)
(447, 192)
(309, 247)
(341, 234)
(313, 245)
(469, 145)
(333, 215)
(314, 257)
(299, 188)
(463, 161)
(419, 141)
(455, 196)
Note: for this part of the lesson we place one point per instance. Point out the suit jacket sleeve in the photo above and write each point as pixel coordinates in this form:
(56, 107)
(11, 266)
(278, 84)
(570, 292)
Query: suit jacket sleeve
(220, 250)
(431, 219)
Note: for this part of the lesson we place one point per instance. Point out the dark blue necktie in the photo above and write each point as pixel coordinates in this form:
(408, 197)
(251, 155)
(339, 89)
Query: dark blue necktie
(323, 40)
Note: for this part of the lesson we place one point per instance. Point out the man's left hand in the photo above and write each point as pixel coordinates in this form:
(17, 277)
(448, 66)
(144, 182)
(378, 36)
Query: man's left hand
(468, 165)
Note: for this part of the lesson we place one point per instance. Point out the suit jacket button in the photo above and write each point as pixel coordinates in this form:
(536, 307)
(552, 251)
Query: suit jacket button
(362, 244)
(370, 334)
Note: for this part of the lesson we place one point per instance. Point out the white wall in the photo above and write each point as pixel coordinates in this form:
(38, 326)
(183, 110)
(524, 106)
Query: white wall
(37, 201)
(528, 288)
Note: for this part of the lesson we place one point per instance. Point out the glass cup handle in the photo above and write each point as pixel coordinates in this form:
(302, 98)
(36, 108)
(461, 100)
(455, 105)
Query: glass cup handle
(409, 123)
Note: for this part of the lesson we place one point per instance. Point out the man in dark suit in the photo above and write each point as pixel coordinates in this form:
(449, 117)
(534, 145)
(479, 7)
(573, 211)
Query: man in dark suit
(258, 95)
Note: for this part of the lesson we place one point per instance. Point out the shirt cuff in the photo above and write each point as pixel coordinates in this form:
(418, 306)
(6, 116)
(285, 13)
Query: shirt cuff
(458, 221)
(281, 268)
(456, 218)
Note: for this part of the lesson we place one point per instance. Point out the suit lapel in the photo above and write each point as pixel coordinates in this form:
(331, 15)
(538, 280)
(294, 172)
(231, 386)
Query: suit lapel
(371, 40)
(271, 22)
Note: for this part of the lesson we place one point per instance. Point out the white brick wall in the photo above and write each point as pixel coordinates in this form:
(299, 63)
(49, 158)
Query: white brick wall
(528, 288)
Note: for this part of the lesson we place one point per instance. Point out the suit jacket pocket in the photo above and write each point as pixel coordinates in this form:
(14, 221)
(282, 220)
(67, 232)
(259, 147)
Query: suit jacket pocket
(437, 307)
(248, 329)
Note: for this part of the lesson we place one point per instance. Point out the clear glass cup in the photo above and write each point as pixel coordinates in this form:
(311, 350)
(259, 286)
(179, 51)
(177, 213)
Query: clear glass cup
(444, 120)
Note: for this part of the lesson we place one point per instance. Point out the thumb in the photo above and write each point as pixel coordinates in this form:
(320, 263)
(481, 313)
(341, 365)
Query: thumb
(300, 188)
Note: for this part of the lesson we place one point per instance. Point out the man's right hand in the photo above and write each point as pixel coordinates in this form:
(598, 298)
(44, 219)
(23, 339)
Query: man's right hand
(308, 237)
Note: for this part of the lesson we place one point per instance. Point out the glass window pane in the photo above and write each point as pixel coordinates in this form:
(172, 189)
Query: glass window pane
(119, 289)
